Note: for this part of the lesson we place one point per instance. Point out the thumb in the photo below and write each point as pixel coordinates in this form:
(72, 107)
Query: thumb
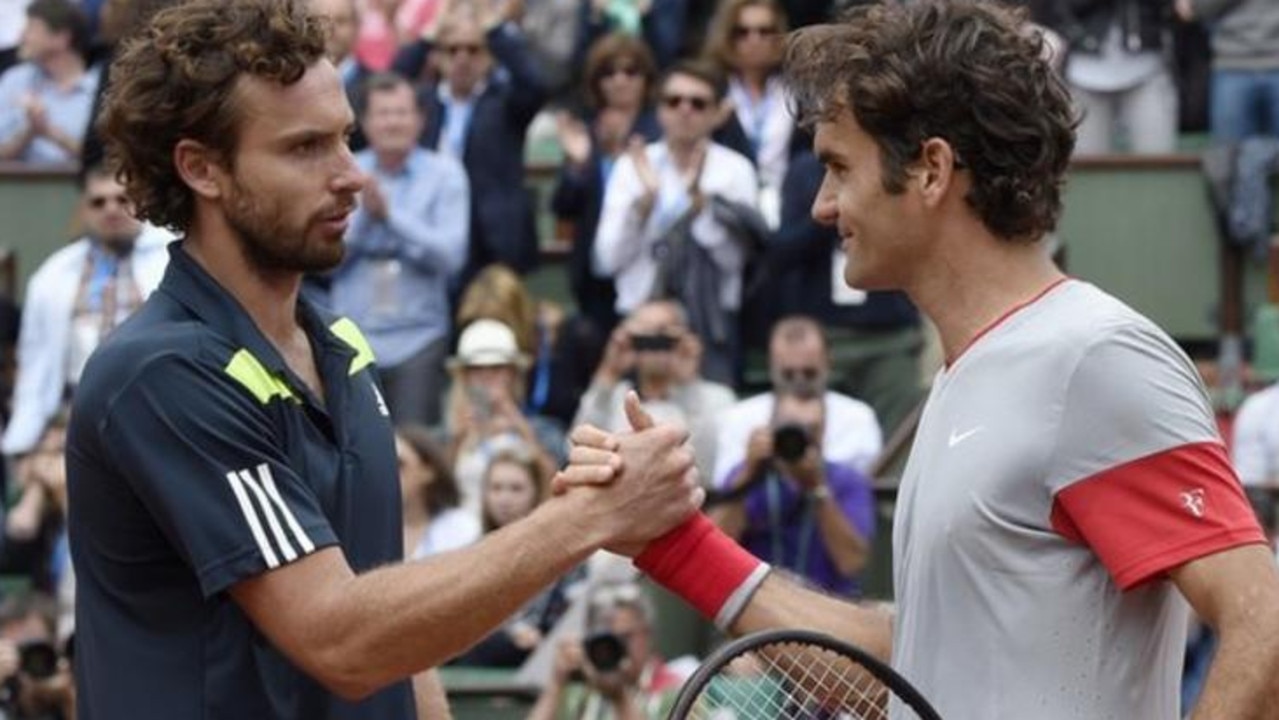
(636, 414)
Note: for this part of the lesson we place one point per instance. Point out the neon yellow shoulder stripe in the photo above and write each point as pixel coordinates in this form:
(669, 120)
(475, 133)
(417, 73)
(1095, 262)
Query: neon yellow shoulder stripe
(251, 374)
(348, 333)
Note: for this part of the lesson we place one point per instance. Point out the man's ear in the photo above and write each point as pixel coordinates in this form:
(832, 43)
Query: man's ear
(199, 168)
(935, 171)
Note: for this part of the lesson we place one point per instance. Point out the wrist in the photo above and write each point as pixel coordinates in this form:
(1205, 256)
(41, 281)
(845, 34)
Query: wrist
(705, 567)
(818, 493)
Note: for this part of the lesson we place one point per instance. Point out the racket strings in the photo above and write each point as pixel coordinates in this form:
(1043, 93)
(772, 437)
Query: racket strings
(792, 681)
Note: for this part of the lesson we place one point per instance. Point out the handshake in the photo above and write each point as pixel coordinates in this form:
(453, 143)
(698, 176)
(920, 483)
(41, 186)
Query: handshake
(643, 482)
(639, 495)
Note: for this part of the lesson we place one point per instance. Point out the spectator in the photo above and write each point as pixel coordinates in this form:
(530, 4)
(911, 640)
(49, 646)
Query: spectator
(405, 243)
(624, 676)
(654, 353)
(35, 539)
(560, 359)
(1245, 56)
(798, 510)
(874, 337)
(484, 408)
(12, 13)
(120, 19)
(77, 296)
(799, 364)
(658, 201)
(1119, 74)
(514, 484)
(1255, 449)
(45, 101)
(745, 42)
(620, 75)
(36, 677)
(343, 17)
(434, 522)
(479, 112)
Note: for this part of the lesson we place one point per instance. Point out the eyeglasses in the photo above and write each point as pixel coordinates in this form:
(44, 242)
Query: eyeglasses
(762, 31)
(697, 102)
(100, 201)
(454, 50)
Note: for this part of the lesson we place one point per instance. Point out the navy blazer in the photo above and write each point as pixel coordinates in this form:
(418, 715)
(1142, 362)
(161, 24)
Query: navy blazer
(799, 257)
(579, 197)
(502, 208)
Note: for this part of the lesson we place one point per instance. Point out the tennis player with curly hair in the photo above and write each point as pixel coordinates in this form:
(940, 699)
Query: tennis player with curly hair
(1067, 497)
(236, 522)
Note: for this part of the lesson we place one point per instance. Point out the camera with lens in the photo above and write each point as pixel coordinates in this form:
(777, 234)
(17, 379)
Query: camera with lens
(658, 342)
(37, 659)
(605, 651)
(790, 442)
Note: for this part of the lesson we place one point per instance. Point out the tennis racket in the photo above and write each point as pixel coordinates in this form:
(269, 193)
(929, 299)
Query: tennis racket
(797, 675)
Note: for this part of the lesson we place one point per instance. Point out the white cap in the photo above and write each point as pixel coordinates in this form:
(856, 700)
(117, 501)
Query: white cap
(487, 342)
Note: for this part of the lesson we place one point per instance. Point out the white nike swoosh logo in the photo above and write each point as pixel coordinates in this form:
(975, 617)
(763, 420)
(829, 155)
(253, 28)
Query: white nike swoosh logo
(958, 437)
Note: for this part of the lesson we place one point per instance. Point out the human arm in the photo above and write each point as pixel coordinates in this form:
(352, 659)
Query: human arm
(628, 200)
(834, 508)
(731, 515)
(568, 659)
(528, 91)
(432, 234)
(429, 696)
(354, 633)
(1237, 592)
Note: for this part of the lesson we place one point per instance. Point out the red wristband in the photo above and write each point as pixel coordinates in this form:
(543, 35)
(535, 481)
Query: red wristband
(702, 565)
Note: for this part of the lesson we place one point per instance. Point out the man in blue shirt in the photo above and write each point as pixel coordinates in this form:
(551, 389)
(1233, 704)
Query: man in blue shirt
(797, 510)
(45, 101)
(406, 241)
(235, 506)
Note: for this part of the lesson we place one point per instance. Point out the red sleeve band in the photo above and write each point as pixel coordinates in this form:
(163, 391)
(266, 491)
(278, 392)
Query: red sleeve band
(702, 565)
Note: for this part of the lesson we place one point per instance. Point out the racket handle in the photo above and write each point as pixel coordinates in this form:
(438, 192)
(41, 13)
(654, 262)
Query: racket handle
(705, 567)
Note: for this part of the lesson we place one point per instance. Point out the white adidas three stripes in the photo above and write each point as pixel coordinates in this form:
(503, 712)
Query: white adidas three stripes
(262, 501)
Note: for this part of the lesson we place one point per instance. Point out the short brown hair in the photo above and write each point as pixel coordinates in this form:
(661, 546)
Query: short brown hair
(699, 70)
(177, 81)
(967, 72)
(606, 52)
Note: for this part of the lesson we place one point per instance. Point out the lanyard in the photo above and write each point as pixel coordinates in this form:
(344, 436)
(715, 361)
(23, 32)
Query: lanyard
(773, 489)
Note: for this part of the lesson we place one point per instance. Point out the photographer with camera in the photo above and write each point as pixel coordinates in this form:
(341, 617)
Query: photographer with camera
(653, 352)
(35, 680)
(793, 507)
(612, 672)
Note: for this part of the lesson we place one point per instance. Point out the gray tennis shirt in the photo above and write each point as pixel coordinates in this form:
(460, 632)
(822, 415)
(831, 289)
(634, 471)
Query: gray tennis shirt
(1065, 461)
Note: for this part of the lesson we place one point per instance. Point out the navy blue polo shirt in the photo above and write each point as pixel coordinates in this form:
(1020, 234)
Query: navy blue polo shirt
(197, 459)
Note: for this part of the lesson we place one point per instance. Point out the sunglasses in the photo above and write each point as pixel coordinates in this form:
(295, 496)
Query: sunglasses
(697, 102)
(762, 31)
(100, 201)
(453, 50)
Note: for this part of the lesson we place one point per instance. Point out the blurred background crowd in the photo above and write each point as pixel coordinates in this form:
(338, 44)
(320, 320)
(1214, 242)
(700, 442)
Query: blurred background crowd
(569, 200)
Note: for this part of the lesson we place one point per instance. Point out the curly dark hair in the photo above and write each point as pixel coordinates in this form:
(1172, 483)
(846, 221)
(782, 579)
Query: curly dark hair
(177, 81)
(971, 73)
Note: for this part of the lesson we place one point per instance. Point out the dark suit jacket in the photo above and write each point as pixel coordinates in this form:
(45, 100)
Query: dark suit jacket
(502, 223)
(578, 197)
(799, 257)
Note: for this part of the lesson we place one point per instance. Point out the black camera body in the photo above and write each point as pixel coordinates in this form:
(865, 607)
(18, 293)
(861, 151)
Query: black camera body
(790, 442)
(37, 659)
(658, 342)
(605, 651)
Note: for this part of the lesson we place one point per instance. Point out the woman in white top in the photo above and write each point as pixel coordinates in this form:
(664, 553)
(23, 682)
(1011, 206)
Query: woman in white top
(433, 520)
